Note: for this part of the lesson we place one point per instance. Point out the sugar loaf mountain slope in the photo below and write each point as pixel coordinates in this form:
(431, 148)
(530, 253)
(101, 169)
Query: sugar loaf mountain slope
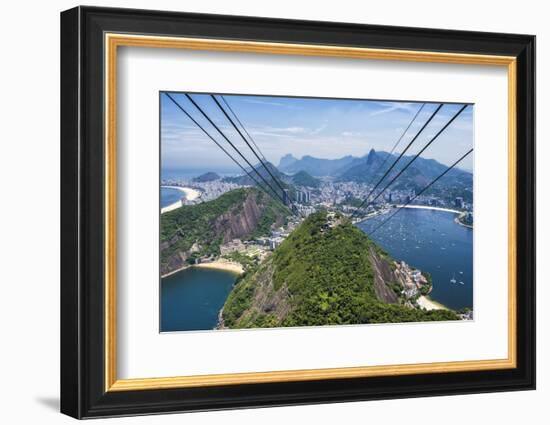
(195, 231)
(326, 272)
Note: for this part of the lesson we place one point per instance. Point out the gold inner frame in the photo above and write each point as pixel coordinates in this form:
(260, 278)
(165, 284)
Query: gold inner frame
(113, 41)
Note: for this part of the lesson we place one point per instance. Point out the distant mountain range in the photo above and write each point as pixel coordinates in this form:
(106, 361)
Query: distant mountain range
(363, 170)
(245, 179)
(293, 173)
(371, 167)
(301, 178)
(317, 167)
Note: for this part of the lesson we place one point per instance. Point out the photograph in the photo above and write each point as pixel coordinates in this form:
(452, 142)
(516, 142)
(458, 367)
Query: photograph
(280, 212)
(263, 211)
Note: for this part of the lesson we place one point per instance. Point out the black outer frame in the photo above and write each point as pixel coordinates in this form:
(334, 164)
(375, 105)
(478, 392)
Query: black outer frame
(82, 206)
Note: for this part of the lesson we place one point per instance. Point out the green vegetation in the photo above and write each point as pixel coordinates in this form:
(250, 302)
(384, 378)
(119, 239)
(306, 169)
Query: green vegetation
(426, 289)
(322, 275)
(246, 261)
(272, 213)
(198, 230)
(466, 219)
(464, 310)
(396, 288)
(239, 300)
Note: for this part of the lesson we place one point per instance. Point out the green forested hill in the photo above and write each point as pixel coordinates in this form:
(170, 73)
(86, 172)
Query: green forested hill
(194, 231)
(322, 274)
(301, 178)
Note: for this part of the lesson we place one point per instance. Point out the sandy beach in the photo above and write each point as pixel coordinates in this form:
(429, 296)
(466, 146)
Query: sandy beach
(190, 195)
(225, 265)
(429, 304)
(228, 266)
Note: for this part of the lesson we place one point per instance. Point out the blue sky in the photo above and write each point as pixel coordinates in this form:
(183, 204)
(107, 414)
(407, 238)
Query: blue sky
(324, 128)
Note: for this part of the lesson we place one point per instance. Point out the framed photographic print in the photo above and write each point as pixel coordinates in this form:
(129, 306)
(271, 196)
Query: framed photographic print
(262, 212)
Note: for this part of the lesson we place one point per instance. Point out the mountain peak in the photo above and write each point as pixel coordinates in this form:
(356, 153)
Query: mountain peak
(207, 177)
(287, 160)
(371, 156)
(303, 178)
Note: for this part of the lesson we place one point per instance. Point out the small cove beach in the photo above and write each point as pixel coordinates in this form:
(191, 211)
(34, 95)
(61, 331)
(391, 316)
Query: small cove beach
(190, 195)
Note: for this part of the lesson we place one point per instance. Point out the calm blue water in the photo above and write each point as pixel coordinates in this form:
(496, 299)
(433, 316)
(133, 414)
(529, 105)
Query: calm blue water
(431, 241)
(169, 196)
(191, 299)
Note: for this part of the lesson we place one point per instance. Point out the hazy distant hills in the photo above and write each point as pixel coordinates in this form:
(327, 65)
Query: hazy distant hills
(371, 167)
(317, 167)
(303, 178)
(245, 179)
(206, 177)
(419, 174)
(362, 169)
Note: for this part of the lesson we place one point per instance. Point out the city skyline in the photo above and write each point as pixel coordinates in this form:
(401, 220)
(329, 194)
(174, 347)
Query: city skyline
(323, 128)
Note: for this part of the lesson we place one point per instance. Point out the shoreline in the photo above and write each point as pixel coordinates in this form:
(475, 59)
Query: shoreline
(457, 221)
(423, 207)
(227, 266)
(190, 195)
(162, 276)
(424, 301)
(427, 207)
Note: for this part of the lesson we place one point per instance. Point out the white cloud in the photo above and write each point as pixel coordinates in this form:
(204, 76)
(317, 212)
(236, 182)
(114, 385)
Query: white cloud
(320, 129)
(389, 107)
(350, 134)
(260, 101)
(293, 129)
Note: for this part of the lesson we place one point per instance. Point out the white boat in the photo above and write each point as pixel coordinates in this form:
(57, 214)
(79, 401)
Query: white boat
(453, 280)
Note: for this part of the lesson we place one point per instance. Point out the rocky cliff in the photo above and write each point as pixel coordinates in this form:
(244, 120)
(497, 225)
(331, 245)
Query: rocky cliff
(195, 231)
(239, 221)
